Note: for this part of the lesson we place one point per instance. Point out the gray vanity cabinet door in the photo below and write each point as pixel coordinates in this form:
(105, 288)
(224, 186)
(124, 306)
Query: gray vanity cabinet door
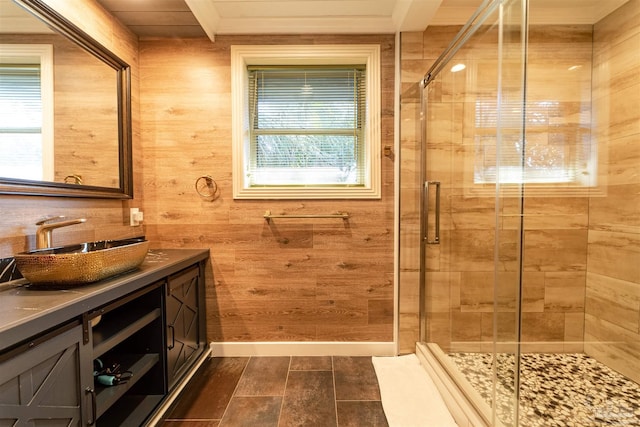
(183, 334)
(41, 383)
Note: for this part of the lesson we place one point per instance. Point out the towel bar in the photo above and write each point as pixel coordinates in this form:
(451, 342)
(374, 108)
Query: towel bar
(343, 215)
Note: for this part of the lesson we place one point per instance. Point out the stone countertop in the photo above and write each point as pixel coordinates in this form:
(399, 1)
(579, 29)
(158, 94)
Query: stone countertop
(28, 310)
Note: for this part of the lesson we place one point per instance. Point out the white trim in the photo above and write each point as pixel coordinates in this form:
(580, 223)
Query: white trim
(241, 56)
(302, 348)
(38, 54)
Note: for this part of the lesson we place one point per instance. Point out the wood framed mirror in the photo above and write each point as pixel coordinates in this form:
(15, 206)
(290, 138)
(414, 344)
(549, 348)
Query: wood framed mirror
(76, 140)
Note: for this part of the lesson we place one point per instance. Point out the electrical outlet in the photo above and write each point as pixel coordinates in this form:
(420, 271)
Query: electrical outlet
(135, 217)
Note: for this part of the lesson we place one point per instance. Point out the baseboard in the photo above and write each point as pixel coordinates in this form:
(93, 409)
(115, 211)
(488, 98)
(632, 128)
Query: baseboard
(302, 348)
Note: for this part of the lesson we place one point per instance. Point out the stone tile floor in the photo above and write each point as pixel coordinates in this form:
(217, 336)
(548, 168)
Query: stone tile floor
(323, 391)
(563, 390)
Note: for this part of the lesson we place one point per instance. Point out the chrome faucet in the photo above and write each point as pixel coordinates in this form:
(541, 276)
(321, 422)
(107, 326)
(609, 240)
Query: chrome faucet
(45, 227)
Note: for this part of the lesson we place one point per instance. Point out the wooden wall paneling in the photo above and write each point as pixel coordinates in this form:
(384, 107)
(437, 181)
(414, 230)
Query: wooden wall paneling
(282, 280)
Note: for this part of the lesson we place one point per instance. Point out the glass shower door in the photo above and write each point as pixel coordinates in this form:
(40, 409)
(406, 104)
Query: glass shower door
(530, 216)
(471, 220)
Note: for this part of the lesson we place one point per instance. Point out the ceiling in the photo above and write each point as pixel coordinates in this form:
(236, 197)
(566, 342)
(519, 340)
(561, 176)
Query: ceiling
(212, 17)
(199, 18)
(156, 18)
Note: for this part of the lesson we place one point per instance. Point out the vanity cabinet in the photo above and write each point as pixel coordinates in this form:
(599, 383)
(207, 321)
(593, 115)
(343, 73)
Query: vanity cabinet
(184, 337)
(128, 336)
(149, 323)
(43, 380)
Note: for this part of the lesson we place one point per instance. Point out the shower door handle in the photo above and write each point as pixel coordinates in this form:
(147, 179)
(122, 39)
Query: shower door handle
(436, 237)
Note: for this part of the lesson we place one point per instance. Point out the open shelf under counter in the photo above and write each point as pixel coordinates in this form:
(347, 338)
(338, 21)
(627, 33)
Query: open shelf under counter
(138, 365)
(108, 334)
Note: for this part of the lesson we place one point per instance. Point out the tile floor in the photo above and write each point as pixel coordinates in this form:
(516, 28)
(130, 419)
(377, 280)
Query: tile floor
(281, 391)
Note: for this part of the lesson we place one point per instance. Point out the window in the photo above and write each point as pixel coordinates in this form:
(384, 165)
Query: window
(306, 125)
(26, 111)
(306, 121)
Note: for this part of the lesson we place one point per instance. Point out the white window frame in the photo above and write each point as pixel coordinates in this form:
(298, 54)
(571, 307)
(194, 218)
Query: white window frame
(38, 54)
(243, 56)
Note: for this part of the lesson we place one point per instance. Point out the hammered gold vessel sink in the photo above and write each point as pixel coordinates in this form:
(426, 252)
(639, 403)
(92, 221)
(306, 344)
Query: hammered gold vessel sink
(82, 263)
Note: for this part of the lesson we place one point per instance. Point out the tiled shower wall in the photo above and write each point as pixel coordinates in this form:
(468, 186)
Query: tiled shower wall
(418, 51)
(558, 120)
(555, 224)
(612, 327)
(577, 240)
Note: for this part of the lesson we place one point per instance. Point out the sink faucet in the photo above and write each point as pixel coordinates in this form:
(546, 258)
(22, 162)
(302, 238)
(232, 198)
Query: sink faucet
(45, 227)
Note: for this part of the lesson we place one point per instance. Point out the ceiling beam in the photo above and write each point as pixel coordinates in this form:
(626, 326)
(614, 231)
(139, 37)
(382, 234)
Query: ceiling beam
(307, 25)
(408, 15)
(414, 15)
(207, 16)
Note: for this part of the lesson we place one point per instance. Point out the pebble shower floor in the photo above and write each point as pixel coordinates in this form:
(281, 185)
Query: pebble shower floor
(555, 389)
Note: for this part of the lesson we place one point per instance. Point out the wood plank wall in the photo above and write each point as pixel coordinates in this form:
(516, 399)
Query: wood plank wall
(293, 280)
(287, 280)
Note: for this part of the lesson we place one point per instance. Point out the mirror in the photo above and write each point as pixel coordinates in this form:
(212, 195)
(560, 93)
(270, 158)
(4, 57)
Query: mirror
(65, 116)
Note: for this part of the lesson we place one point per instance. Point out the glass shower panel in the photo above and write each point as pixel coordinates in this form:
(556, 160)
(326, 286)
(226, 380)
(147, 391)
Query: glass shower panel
(557, 174)
(472, 224)
(509, 161)
(580, 349)
(531, 296)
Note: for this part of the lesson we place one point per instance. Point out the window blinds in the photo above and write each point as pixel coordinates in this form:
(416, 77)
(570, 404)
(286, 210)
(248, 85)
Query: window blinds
(307, 125)
(20, 98)
(21, 121)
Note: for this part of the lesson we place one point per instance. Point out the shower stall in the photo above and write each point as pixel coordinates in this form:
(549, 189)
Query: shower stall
(522, 193)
